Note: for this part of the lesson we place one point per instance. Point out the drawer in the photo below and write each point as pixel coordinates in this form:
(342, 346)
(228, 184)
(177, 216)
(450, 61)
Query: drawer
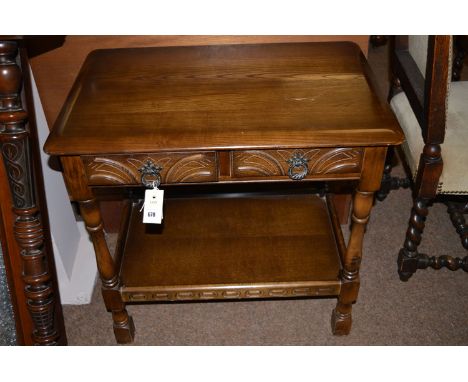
(296, 163)
(173, 167)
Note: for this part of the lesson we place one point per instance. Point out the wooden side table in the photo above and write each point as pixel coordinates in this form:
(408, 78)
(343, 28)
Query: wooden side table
(230, 120)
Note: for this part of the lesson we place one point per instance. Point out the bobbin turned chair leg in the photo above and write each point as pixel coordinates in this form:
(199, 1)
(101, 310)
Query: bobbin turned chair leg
(408, 255)
(456, 211)
(390, 182)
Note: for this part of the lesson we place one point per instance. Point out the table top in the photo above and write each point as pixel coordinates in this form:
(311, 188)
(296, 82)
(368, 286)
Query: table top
(290, 95)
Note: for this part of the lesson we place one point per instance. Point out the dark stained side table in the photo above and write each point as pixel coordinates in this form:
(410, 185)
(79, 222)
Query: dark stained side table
(240, 137)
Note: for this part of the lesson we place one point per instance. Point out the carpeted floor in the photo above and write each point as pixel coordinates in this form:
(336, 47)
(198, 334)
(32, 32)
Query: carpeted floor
(430, 309)
(7, 322)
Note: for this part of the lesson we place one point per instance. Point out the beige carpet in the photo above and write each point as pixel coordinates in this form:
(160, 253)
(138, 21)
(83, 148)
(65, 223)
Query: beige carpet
(430, 309)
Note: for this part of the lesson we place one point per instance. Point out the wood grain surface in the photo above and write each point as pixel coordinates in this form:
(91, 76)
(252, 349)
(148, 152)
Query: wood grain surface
(305, 104)
(266, 243)
(222, 97)
(56, 70)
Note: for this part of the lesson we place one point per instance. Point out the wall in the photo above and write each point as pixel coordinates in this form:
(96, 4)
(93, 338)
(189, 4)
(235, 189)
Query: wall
(73, 251)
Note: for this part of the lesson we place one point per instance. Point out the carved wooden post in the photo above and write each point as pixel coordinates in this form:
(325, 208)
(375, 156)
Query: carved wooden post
(15, 150)
(409, 259)
(372, 168)
(430, 168)
(456, 211)
(390, 182)
(75, 179)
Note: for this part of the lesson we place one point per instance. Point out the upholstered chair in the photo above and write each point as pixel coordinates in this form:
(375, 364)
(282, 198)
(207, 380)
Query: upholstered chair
(433, 113)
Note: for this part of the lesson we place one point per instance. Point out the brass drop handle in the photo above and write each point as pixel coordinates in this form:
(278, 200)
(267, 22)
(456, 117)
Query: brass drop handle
(150, 174)
(298, 167)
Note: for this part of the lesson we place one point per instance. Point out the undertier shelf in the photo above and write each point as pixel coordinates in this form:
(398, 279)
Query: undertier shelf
(229, 248)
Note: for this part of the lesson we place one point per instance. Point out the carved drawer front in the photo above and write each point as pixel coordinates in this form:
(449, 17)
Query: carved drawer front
(193, 167)
(296, 163)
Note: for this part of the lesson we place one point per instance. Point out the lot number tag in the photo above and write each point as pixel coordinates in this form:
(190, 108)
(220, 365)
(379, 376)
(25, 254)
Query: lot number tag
(153, 206)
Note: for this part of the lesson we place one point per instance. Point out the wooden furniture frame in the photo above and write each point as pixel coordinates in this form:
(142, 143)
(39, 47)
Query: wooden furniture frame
(226, 116)
(428, 99)
(24, 224)
(56, 69)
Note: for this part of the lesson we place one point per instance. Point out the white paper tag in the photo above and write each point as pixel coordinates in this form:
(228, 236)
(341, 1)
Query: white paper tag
(153, 206)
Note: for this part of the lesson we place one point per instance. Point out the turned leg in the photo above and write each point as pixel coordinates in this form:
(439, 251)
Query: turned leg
(395, 87)
(425, 190)
(76, 181)
(378, 40)
(386, 177)
(373, 164)
(408, 256)
(390, 182)
(124, 329)
(409, 259)
(457, 65)
(456, 211)
(341, 317)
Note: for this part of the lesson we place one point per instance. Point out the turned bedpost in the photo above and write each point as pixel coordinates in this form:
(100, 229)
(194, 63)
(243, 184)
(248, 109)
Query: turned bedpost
(28, 231)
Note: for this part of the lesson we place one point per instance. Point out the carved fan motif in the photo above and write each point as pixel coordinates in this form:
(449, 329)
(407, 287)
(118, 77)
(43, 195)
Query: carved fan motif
(176, 168)
(256, 162)
(337, 161)
(112, 171)
(190, 169)
(275, 162)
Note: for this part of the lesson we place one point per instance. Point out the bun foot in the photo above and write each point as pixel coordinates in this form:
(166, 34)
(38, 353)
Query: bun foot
(125, 332)
(405, 276)
(340, 323)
